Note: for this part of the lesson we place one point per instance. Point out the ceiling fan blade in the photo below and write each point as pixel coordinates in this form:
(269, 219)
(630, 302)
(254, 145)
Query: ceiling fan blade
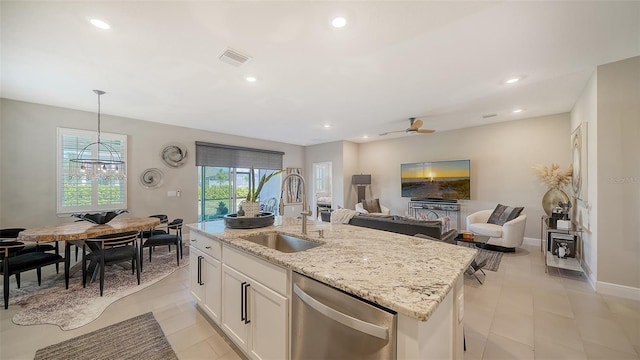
(425, 131)
(416, 125)
(391, 132)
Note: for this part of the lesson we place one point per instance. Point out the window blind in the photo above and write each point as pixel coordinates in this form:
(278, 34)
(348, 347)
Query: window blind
(208, 154)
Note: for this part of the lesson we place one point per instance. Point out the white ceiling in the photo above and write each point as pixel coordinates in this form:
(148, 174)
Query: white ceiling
(441, 61)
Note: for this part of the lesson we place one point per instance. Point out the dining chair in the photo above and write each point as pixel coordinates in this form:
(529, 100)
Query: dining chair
(164, 219)
(12, 233)
(165, 239)
(14, 263)
(111, 249)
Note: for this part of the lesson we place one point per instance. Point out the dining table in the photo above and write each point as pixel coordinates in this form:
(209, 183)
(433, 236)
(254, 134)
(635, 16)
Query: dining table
(78, 231)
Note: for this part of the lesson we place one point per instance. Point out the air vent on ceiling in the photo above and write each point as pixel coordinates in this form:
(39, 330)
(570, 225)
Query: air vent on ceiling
(489, 116)
(234, 58)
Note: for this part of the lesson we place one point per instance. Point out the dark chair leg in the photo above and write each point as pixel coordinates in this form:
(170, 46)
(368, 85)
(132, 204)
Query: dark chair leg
(18, 280)
(102, 273)
(5, 272)
(150, 252)
(77, 247)
(57, 253)
(84, 267)
(67, 262)
(137, 267)
(39, 273)
(178, 253)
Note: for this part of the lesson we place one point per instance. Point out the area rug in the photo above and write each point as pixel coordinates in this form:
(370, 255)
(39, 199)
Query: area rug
(493, 259)
(71, 308)
(140, 337)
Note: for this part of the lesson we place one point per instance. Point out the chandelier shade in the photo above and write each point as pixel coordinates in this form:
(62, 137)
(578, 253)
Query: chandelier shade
(98, 160)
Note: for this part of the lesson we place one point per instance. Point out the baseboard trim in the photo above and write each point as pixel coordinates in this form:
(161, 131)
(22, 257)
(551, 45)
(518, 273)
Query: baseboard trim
(622, 291)
(531, 241)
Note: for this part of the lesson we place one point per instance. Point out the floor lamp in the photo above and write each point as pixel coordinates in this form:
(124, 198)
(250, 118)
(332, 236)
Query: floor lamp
(361, 182)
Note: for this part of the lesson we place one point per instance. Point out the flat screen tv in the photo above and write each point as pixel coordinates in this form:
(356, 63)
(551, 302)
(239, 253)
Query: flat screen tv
(437, 179)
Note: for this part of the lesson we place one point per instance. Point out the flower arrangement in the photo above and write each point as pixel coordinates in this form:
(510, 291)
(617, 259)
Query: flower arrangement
(553, 176)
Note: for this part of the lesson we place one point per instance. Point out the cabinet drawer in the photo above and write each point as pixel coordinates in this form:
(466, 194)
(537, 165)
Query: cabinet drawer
(205, 244)
(270, 275)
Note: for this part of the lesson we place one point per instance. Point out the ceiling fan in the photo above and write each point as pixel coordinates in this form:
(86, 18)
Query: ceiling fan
(414, 128)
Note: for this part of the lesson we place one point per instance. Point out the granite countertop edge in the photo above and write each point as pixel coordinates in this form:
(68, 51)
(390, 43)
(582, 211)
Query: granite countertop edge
(403, 273)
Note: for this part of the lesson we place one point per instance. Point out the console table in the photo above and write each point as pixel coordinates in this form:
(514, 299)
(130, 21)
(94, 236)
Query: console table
(551, 260)
(438, 208)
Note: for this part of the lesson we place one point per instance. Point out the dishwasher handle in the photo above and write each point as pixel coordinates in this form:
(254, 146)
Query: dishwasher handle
(356, 324)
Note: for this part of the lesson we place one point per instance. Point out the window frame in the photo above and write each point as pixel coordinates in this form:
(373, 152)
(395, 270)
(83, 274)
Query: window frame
(60, 172)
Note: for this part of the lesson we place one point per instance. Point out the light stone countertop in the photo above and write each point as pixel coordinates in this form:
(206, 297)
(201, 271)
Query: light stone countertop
(407, 274)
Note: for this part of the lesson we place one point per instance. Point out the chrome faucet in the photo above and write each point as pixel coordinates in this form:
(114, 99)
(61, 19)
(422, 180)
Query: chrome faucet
(306, 210)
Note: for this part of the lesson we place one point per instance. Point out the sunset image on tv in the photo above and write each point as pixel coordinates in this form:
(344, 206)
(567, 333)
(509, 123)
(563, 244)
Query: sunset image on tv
(441, 179)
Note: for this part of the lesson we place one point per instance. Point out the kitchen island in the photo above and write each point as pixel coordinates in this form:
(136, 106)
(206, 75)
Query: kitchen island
(419, 279)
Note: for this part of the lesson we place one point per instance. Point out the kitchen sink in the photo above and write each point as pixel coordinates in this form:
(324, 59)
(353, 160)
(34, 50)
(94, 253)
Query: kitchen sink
(281, 242)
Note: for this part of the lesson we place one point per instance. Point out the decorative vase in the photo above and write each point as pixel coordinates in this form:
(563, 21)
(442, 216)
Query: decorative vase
(251, 209)
(551, 198)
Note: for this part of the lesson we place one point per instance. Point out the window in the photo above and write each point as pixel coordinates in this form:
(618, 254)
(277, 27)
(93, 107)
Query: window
(80, 195)
(222, 189)
(223, 178)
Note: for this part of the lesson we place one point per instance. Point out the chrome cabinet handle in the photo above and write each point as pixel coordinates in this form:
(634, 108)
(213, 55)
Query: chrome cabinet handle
(346, 320)
(207, 247)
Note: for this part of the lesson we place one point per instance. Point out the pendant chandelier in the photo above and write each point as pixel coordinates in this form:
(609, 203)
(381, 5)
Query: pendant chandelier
(98, 160)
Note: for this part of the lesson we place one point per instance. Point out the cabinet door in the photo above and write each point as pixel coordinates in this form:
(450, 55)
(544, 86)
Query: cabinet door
(195, 273)
(233, 306)
(212, 274)
(268, 316)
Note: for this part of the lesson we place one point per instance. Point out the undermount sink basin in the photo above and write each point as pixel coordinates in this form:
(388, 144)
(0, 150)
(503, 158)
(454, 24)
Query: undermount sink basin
(281, 242)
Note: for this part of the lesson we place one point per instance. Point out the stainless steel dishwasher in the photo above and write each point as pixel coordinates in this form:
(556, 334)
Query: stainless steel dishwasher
(330, 324)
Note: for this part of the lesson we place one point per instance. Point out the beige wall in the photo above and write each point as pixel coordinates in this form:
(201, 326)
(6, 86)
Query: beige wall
(28, 168)
(585, 112)
(618, 177)
(501, 155)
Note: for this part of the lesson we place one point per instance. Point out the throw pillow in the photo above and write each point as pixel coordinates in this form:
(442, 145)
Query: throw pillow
(372, 206)
(502, 214)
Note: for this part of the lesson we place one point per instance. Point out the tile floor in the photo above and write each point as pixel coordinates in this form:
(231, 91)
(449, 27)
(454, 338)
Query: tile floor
(519, 313)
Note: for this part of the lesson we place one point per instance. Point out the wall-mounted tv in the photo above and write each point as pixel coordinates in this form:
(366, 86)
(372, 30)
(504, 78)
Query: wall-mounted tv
(437, 179)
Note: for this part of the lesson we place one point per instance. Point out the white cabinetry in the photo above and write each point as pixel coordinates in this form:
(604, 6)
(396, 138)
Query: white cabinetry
(206, 274)
(254, 315)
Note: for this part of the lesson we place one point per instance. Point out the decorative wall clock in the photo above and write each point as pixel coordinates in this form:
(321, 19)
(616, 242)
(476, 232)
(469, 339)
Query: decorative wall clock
(151, 178)
(174, 155)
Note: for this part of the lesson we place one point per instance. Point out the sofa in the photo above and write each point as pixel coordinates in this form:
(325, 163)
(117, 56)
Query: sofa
(400, 225)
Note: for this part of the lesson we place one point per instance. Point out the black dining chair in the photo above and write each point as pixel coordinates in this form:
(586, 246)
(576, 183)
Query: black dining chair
(164, 219)
(165, 239)
(12, 233)
(111, 249)
(14, 263)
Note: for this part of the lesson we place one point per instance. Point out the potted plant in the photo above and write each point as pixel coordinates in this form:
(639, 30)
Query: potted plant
(251, 205)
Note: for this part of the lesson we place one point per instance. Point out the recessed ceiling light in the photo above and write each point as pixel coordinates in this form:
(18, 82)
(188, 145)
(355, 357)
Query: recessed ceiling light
(365, 137)
(326, 126)
(251, 79)
(516, 111)
(339, 22)
(100, 24)
(512, 80)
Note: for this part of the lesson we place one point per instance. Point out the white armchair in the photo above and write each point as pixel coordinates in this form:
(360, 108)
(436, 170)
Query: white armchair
(384, 210)
(510, 235)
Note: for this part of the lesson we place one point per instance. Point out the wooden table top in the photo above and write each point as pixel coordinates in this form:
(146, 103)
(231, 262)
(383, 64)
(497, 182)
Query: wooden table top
(85, 230)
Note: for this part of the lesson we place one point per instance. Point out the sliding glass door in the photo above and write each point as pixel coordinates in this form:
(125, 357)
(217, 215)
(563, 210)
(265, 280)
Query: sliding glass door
(222, 189)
